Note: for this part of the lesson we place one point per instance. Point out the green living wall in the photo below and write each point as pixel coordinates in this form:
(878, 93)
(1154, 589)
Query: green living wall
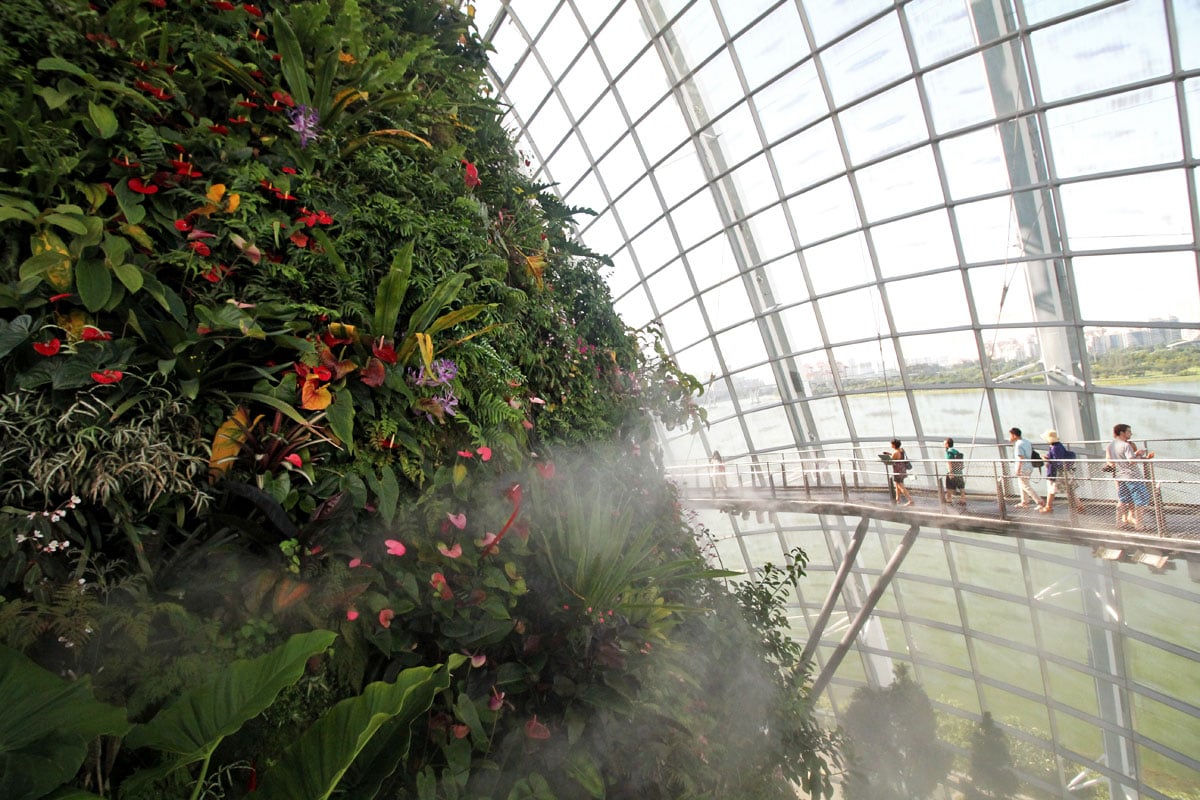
(325, 465)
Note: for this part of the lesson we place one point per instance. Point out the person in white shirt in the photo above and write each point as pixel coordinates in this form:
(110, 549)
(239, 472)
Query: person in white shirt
(1133, 495)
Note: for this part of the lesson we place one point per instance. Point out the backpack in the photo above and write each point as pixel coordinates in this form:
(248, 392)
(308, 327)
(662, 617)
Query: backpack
(1036, 460)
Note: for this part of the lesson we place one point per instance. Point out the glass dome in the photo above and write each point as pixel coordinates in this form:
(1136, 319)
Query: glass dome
(858, 220)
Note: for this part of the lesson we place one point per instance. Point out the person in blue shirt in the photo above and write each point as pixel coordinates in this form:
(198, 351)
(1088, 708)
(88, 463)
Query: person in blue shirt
(1059, 472)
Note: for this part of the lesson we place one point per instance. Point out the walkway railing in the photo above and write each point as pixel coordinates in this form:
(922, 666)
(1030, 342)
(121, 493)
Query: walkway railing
(1086, 495)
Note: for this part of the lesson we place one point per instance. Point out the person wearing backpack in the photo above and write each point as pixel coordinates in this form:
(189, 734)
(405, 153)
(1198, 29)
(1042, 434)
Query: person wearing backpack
(900, 467)
(1059, 472)
(1023, 467)
(955, 482)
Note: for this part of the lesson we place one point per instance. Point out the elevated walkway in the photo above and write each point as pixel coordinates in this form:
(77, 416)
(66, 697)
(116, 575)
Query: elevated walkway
(1084, 509)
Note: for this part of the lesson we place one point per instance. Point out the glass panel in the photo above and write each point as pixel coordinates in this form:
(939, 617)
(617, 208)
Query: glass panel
(830, 420)
(699, 360)
(622, 38)
(1056, 585)
(1148, 610)
(727, 305)
(742, 346)
(884, 124)
(1187, 28)
(643, 84)
(954, 414)
(684, 324)
(1157, 419)
(528, 88)
(718, 84)
(828, 18)
(988, 230)
(639, 207)
(634, 307)
(945, 647)
(1028, 411)
(1008, 665)
(882, 416)
(839, 263)
(560, 41)
(916, 244)
(825, 211)
(958, 92)
(696, 33)
(791, 102)
(929, 602)
(866, 60)
(771, 46)
(1191, 90)
(996, 616)
(1108, 291)
(942, 358)
(1120, 132)
(769, 428)
(853, 315)
(974, 164)
(510, 45)
(655, 247)
(756, 388)
(801, 325)
(755, 184)
(932, 301)
(786, 279)
(712, 262)
(1114, 46)
(951, 689)
(569, 159)
(736, 136)
(1131, 211)
(769, 237)
(938, 29)
(594, 14)
(900, 185)
(696, 219)
(621, 167)
(812, 156)
(1173, 675)
(985, 567)
(582, 83)
(662, 130)
(680, 175)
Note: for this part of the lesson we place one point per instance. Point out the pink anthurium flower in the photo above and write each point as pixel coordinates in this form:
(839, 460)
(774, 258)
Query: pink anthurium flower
(477, 659)
(351, 614)
(485, 453)
(355, 562)
(294, 459)
(457, 520)
(438, 582)
(386, 616)
(536, 730)
(450, 552)
(538, 400)
(496, 700)
(546, 469)
(395, 548)
(466, 454)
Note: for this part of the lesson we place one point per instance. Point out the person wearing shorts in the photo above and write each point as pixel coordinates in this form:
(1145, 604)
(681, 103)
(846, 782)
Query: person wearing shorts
(955, 482)
(1133, 495)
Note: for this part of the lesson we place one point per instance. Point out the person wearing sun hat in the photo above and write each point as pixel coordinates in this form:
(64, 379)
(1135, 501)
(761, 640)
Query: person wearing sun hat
(1058, 472)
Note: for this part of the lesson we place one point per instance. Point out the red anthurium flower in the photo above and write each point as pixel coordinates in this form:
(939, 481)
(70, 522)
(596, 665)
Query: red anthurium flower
(395, 547)
(466, 454)
(257, 35)
(141, 187)
(57, 297)
(288, 170)
(438, 582)
(546, 469)
(471, 176)
(536, 730)
(294, 459)
(239, 120)
(108, 376)
(254, 11)
(323, 373)
(200, 248)
(184, 225)
(144, 66)
(215, 273)
(186, 169)
(284, 98)
(158, 3)
(298, 239)
(374, 373)
(220, 130)
(49, 348)
(383, 350)
(124, 161)
(144, 86)
(221, 5)
(93, 334)
(276, 107)
(247, 104)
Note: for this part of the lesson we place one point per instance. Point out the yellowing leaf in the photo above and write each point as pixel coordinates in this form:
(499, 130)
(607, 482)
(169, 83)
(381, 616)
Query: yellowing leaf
(350, 95)
(227, 443)
(59, 274)
(400, 132)
(460, 473)
(426, 346)
(536, 266)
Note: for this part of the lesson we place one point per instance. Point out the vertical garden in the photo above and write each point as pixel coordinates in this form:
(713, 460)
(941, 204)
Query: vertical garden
(326, 467)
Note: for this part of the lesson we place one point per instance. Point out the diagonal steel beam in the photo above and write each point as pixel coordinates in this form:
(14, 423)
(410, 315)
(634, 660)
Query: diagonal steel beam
(839, 580)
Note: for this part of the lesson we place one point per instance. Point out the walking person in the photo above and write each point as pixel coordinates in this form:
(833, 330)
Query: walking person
(1133, 494)
(955, 482)
(900, 467)
(1059, 472)
(1023, 467)
(718, 470)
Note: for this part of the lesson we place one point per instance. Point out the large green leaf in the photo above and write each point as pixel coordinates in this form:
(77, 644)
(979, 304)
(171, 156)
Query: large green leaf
(314, 766)
(391, 292)
(193, 726)
(291, 61)
(14, 333)
(46, 725)
(94, 281)
(341, 418)
(442, 296)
